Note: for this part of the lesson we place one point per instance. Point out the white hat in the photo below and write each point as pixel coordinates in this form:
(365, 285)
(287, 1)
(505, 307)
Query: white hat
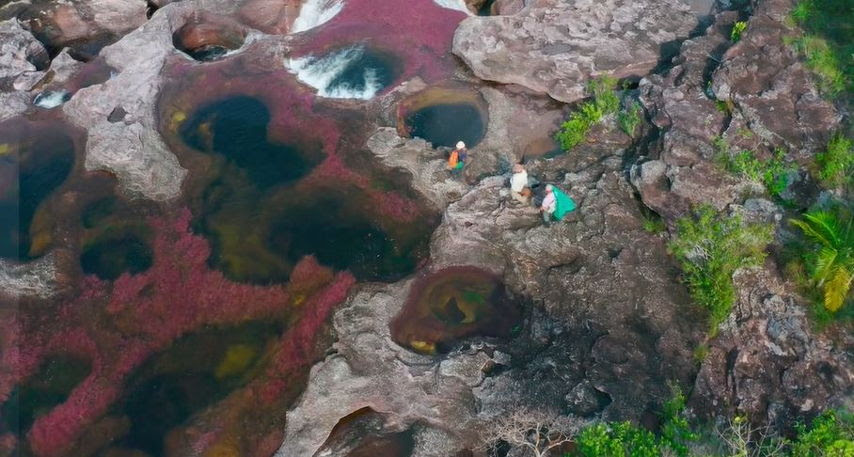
(460, 145)
(549, 187)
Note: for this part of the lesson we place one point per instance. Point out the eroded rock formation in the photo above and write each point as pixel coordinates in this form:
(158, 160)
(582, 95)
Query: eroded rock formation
(555, 47)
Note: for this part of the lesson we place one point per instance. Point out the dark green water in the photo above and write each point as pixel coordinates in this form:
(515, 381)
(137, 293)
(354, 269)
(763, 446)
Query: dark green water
(339, 237)
(196, 372)
(236, 128)
(259, 226)
(47, 388)
(109, 258)
(445, 124)
(42, 166)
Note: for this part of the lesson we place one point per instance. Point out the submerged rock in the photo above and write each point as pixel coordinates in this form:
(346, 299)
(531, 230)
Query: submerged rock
(554, 47)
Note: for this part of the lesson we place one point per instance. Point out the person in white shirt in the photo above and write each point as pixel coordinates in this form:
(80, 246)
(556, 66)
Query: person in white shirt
(519, 189)
(549, 204)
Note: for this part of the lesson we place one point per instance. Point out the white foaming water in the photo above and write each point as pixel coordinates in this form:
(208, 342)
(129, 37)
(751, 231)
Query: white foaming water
(51, 98)
(316, 12)
(459, 5)
(321, 72)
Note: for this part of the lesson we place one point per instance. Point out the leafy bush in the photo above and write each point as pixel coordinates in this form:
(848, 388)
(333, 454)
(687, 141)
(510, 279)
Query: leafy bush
(629, 118)
(827, 43)
(836, 164)
(676, 432)
(605, 101)
(620, 439)
(737, 29)
(710, 247)
(773, 173)
(604, 95)
(830, 435)
(654, 226)
(829, 254)
(823, 61)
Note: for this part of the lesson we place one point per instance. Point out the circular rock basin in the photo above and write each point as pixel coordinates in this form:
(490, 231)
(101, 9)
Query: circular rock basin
(362, 434)
(35, 160)
(356, 71)
(444, 115)
(208, 39)
(451, 304)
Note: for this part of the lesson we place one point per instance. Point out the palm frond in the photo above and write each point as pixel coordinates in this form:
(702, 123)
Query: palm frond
(825, 222)
(811, 232)
(824, 264)
(837, 289)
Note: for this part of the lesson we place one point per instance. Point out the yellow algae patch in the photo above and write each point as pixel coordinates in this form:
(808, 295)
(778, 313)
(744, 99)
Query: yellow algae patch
(5, 148)
(423, 347)
(178, 117)
(223, 449)
(237, 360)
(40, 242)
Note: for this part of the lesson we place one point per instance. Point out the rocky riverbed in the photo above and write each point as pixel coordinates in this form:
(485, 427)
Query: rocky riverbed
(237, 215)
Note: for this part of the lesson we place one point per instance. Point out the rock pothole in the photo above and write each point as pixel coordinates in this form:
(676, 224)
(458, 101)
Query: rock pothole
(208, 39)
(444, 115)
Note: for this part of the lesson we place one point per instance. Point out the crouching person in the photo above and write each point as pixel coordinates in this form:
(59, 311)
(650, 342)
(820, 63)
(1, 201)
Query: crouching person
(556, 204)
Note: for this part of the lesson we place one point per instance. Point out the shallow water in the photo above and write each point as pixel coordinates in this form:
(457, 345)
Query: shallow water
(35, 167)
(199, 313)
(49, 387)
(446, 123)
(166, 391)
(237, 129)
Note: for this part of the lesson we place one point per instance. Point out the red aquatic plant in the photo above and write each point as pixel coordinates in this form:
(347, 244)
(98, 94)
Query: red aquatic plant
(147, 312)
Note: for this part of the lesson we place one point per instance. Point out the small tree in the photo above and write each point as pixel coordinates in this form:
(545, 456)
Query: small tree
(536, 432)
(741, 439)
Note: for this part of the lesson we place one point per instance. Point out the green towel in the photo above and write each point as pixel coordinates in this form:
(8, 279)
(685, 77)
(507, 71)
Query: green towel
(563, 204)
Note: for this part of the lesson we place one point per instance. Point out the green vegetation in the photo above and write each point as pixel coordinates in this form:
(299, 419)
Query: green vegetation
(629, 118)
(829, 435)
(828, 255)
(676, 432)
(604, 102)
(653, 225)
(709, 247)
(620, 439)
(836, 164)
(773, 173)
(737, 29)
(827, 42)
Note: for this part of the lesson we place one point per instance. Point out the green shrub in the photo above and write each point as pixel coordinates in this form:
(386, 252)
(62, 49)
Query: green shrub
(605, 101)
(836, 164)
(828, 255)
(737, 29)
(676, 432)
(654, 226)
(620, 439)
(827, 43)
(629, 118)
(772, 173)
(830, 435)
(710, 247)
(822, 59)
(604, 95)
